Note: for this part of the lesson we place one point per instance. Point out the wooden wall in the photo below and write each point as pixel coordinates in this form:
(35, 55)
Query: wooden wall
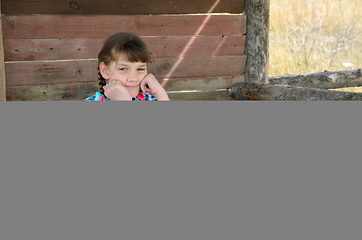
(50, 47)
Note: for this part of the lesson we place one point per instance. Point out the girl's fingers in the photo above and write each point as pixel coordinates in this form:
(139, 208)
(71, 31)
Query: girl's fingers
(143, 85)
(142, 88)
(146, 89)
(113, 82)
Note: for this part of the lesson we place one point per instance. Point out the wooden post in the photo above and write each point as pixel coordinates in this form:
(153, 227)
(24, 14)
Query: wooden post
(257, 40)
(2, 65)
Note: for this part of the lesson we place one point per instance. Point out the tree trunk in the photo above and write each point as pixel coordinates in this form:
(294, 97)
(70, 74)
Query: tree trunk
(252, 91)
(2, 66)
(324, 80)
(257, 40)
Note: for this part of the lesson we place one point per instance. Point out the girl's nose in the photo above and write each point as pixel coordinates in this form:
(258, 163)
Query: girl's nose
(132, 76)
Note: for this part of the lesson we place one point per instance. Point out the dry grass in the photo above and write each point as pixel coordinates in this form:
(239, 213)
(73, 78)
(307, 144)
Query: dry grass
(312, 36)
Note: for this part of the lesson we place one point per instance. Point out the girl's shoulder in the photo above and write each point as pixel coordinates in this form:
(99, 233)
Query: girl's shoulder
(145, 97)
(97, 97)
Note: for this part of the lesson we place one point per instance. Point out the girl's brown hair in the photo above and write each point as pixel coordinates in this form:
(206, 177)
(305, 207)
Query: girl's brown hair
(128, 43)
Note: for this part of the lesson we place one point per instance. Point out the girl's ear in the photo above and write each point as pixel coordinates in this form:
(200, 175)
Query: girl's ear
(104, 71)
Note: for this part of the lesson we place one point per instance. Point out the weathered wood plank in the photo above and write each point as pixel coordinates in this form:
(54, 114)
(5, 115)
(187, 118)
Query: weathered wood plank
(51, 92)
(100, 26)
(51, 49)
(202, 83)
(23, 73)
(20, 73)
(200, 66)
(83, 48)
(252, 91)
(135, 7)
(82, 90)
(2, 66)
(324, 80)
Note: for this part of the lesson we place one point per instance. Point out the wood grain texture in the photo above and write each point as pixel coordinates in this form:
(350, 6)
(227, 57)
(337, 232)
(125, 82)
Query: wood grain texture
(23, 73)
(51, 92)
(202, 83)
(82, 48)
(323, 80)
(28, 73)
(257, 40)
(51, 49)
(102, 26)
(125, 7)
(201, 66)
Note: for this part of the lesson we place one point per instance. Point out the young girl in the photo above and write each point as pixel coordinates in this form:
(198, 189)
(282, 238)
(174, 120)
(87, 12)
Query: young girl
(122, 70)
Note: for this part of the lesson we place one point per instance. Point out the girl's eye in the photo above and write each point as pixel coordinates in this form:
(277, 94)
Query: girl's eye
(141, 69)
(122, 69)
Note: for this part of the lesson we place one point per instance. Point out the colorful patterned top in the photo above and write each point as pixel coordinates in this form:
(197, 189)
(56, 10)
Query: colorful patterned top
(140, 97)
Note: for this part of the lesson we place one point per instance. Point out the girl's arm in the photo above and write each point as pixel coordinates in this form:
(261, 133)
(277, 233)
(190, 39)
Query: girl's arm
(162, 95)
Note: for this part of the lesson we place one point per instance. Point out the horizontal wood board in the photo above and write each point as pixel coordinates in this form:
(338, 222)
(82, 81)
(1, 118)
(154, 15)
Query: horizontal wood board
(101, 26)
(88, 48)
(124, 7)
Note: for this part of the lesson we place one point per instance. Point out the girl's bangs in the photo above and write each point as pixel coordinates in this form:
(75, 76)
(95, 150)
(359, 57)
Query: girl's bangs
(133, 53)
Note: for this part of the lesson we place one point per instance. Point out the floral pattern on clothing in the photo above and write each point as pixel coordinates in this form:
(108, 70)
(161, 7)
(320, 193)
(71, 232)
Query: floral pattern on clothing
(140, 97)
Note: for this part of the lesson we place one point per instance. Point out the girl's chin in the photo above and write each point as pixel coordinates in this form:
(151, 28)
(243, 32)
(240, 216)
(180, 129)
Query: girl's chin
(134, 91)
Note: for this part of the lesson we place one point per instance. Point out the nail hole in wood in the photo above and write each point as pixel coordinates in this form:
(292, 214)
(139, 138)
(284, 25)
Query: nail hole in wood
(73, 5)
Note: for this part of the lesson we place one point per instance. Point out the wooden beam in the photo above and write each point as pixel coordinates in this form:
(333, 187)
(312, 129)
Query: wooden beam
(88, 48)
(103, 26)
(121, 7)
(202, 83)
(52, 92)
(257, 40)
(323, 80)
(2, 65)
(266, 92)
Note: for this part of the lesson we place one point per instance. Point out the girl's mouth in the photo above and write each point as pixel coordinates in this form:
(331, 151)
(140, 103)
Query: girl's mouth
(133, 86)
(136, 86)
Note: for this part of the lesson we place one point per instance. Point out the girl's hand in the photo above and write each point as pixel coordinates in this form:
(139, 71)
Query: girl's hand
(115, 91)
(150, 84)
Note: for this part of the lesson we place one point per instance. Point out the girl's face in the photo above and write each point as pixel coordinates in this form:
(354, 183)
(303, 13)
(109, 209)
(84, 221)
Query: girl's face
(128, 73)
